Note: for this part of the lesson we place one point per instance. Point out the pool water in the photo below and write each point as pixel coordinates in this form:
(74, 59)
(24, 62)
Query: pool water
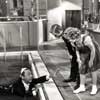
(10, 68)
(17, 98)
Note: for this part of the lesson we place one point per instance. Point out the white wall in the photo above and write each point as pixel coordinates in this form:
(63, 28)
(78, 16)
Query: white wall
(56, 15)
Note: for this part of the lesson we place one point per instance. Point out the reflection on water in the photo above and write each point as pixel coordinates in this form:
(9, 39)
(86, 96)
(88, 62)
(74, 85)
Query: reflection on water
(11, 97)
(10, 69)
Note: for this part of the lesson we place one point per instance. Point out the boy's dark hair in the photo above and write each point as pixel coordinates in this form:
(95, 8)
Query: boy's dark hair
(56, 29)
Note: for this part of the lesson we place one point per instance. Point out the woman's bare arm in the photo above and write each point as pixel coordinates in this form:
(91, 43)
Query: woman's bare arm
(88, 42)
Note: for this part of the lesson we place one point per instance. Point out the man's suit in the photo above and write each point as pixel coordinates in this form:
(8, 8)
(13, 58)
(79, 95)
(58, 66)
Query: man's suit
(19, 89)
(74, 73)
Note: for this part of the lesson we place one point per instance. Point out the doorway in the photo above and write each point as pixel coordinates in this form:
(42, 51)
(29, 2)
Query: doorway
(73, 18)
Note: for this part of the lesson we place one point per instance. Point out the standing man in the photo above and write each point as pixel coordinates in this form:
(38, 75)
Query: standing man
(74, 73)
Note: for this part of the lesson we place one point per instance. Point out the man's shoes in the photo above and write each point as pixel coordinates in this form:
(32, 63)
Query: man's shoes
(77, 86)
(69, 80)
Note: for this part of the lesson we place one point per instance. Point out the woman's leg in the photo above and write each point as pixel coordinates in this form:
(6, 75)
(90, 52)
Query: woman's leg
(94, 83)
(82, 84)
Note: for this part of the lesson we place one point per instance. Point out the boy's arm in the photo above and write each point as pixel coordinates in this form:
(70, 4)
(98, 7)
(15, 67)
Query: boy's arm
(88, 42)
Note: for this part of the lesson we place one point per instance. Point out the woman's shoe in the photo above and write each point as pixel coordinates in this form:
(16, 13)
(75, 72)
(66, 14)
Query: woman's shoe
(80, 89)
(94, 91)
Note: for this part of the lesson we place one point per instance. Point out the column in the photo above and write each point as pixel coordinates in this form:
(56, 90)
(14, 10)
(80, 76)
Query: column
(95, 7)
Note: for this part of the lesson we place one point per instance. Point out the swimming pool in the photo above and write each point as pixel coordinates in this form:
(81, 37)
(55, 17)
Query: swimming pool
(10, 66)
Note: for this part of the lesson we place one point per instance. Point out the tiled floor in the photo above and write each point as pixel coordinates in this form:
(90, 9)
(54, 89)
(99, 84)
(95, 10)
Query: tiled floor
(55, 56)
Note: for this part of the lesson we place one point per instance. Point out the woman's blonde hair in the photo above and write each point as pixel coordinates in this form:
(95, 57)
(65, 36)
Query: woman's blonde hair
(72, 33)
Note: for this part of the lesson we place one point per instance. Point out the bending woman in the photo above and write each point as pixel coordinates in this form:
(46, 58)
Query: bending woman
(88, 54)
